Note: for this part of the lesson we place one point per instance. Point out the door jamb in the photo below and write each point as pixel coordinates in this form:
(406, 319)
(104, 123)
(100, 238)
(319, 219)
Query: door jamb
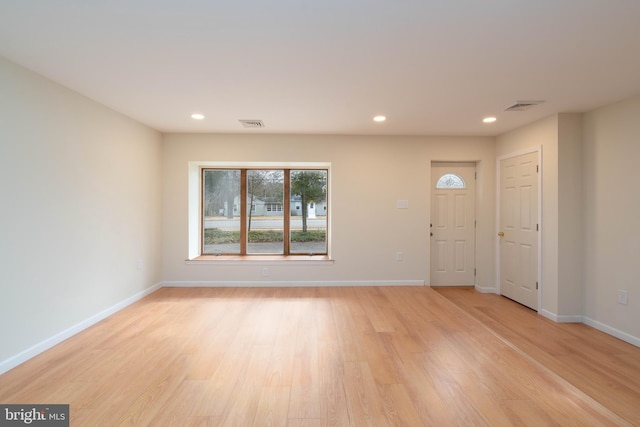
(534, 149)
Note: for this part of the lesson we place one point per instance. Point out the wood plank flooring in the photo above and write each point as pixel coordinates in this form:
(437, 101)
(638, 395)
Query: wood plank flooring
(332, 357)
(605, 368)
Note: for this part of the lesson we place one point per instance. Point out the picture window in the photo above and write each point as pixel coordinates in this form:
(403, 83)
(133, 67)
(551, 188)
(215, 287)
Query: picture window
(288, 214)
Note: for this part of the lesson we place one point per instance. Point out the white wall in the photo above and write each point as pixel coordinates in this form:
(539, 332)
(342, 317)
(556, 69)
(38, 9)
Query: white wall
(369, 174)
(80, 204)
(612, 208)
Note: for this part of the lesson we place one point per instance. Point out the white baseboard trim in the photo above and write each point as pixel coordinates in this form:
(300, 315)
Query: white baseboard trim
(548, 315)
(573, 318)
(594, 324)
(612, 331)
(36, 349)
(561, 318)
(286, 284)
(486, 290)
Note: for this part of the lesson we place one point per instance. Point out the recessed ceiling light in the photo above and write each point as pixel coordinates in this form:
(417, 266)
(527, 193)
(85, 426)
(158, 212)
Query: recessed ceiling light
(489, 119)
(197, 116)
(379, 118)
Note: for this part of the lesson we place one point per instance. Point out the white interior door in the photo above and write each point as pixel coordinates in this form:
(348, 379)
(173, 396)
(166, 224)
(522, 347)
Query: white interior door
(519, 229)
(453, 224)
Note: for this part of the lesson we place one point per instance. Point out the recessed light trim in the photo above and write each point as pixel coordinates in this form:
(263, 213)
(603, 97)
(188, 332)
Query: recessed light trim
(489, 119)
(197, 116)
(379, 119)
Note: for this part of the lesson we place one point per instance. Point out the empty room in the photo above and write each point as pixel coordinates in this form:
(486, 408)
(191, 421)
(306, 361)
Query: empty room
(319, 213)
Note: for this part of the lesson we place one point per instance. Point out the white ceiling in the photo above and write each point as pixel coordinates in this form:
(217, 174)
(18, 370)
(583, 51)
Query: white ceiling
(433, 67)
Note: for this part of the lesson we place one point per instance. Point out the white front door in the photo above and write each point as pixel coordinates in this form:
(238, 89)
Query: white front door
(519, 229)
(453, 224)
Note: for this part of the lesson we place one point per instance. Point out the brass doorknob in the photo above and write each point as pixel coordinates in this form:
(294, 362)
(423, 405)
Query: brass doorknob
(500, 234)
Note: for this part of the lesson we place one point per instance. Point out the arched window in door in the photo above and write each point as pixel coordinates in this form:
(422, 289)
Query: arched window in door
(451, 180)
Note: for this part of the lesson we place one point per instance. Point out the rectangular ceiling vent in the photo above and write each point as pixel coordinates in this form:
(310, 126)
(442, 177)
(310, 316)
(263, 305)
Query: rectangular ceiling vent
(252, 123)
(523, 105)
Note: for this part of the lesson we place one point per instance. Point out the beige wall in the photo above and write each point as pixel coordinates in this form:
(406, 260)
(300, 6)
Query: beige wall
(612, 208)
(543, 133)
(80, 205)
(570, 217)
(369, 174)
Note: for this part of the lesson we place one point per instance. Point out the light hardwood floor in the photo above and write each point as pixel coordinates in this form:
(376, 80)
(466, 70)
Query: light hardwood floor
(333, 356)
(605, 368)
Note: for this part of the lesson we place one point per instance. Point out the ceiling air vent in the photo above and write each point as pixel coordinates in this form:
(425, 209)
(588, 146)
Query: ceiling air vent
(252, 123)
(523, 105)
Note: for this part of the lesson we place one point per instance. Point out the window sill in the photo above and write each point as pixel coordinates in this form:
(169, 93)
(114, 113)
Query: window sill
(297, 260)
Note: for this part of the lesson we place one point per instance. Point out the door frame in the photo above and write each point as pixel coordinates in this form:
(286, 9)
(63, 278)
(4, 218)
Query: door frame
(535, 149)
